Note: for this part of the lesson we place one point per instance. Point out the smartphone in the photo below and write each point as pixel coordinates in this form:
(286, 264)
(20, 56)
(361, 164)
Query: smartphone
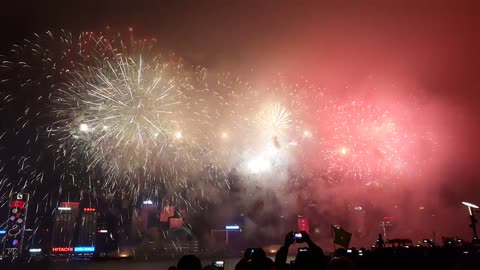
(254, 250)
(297, 237)
(302, 249)
(220, 265)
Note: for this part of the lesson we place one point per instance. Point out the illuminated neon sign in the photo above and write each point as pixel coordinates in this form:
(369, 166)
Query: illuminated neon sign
(84, 249)
(232, 227)
(64, 208)
(17, 204)
(70, 204)
(62, 249)
(88, 209)
(102, 231)
(148, 202)
(12, 243)
(35, 250)
(2, 232)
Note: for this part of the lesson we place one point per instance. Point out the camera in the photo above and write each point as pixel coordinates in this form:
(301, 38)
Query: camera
(302, 249)
(297, 237)
(220, 265)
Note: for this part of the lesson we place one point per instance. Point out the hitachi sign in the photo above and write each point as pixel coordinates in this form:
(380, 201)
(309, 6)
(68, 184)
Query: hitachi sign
(62, 249)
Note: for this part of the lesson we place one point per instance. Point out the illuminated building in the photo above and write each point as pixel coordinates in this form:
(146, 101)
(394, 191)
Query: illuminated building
(64, 225)
(88, 227)
(14, 233)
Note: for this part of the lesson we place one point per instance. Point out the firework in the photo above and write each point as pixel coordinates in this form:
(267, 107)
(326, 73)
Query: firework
(271, 117)
(137, 120)
(274, 119)
(34, 76)
(369, 143)
(124, 113)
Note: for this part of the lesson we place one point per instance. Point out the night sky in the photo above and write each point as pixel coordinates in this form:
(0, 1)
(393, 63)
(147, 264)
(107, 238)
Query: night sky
(424, 45)
(429, 49)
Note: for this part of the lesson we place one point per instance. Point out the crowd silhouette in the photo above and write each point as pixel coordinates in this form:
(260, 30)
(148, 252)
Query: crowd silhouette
(313, 257)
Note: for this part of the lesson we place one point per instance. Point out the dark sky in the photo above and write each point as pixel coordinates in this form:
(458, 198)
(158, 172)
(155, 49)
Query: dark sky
(432, 45)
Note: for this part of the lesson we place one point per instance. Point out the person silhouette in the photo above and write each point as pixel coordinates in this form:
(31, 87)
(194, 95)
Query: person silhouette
(189, 262)
(313, 258)
(380, 242)
(255, 259)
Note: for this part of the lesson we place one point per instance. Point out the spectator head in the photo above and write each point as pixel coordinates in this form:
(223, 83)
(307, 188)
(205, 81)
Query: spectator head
(341, 252)
(189, 262)
(302, 260)
(340, 263)
(309, 260)
(260, 264)
(258, 255)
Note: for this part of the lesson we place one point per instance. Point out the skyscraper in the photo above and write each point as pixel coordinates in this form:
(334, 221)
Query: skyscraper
(13, 241)
(125, 222)
(88, 227)
(147, 215)
(64, 225)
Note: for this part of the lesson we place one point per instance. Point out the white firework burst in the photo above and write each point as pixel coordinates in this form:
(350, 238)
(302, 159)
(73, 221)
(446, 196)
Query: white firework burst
(124, 110)
(274, 119)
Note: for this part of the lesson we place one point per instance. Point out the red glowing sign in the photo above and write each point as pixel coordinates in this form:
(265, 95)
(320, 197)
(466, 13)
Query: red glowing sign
(88, 209)
(303, 225)
(17, 204)
(70, 204)
(168, 211)
(62, 249)
(176, 223)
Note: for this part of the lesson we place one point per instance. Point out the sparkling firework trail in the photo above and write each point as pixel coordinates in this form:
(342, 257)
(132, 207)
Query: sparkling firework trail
(120, 112)
(123, 109)
(30, 73)
(367, 143)
(275, 119)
